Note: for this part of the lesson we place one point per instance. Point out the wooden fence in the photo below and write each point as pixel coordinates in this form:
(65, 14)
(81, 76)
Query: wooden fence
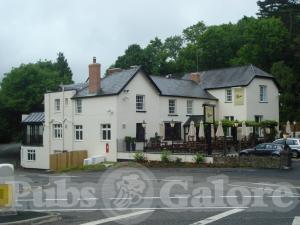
(65, 160)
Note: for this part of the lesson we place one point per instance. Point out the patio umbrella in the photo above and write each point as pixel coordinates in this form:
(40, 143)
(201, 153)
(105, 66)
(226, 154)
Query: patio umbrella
(244, 129)
(162, 130)
(201, 130)
(192, 131)
(220, 132)
(212, 131)
(288, 127)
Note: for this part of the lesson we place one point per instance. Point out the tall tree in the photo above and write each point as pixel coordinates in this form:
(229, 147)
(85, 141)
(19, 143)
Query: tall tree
(134, 55)
(63, 69)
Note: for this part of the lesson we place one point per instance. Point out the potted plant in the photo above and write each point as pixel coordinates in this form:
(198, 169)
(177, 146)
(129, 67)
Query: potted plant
(128, 142)
(133, 145)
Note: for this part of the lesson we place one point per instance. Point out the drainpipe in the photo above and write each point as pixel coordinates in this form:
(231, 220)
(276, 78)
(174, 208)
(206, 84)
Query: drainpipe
(49, 127)
(63, 118)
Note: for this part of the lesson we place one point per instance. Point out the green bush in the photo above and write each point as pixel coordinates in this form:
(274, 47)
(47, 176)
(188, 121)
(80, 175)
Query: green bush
(198, 158)
(178, 160)
(139, 157)
(165, 156)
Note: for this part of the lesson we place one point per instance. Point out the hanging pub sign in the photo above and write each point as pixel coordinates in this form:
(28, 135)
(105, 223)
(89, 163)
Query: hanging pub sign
(209, 113)
(238, 96)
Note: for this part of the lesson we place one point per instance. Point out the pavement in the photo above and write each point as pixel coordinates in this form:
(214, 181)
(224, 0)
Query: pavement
(183, 196)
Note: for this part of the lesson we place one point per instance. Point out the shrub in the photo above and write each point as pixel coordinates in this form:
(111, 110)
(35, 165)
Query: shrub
(178, 160)
(139, 157)
(165, 156)
(199, 158)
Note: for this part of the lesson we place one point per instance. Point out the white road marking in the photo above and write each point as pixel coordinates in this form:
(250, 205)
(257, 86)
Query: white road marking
(217, 217)
(296, 220)
(110, 219)
(128, 209)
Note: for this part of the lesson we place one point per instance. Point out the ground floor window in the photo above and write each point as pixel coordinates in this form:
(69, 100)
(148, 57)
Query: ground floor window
(173, 133)
(140, 132)
(57, 131)
(78, 133)
(105, 132)
(31, 155)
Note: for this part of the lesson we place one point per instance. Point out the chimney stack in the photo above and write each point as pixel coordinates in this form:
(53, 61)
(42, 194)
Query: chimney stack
(94, 77)
(196, 77)
(110, 71)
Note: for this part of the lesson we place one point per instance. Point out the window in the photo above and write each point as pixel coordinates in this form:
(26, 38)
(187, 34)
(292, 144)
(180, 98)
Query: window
(140, 132)
(140, 103)
(228, 95)
(105, 132)
(57, 105)
(30, 155)
(78, 133)
(66, 101)
(32, 135)
(189, 107)
(57, 131)
(78, 106)
(263, 93)
(172, 106)
(173, 133)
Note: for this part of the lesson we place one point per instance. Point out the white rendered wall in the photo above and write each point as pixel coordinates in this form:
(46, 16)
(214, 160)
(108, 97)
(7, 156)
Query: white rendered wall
(41, 158)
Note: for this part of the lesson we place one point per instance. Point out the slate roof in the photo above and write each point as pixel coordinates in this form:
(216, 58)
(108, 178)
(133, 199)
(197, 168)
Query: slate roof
(35, 117)
(180, 88)
(231, 77)
(110, 85)
(115, 83)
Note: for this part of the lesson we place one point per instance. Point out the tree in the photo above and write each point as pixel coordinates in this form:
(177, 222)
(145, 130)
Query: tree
(289, 106)
(22, 92)
(134, 55)
(287, 10)
(192, 33)
(63, 69)
(264, 41)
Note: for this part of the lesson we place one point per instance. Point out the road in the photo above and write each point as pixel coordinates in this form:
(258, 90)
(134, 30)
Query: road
(166, 196)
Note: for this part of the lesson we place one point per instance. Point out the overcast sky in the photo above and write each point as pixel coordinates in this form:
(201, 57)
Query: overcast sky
(38, 29)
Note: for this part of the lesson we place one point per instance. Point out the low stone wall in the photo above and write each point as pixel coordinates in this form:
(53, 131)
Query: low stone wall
(251, 161)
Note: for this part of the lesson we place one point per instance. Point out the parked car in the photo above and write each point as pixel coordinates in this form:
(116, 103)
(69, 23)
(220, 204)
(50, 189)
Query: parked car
(264, 149)
(293, 143)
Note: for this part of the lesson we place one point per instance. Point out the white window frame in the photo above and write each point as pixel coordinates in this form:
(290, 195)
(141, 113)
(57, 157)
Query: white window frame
(228, 97)
(78, 106)
(105, 127)
(78, 132)
(140, 103)
(57, 131)
(189, 106)
(172, 106)
(57, 106)
(31, 155)
(263, 96)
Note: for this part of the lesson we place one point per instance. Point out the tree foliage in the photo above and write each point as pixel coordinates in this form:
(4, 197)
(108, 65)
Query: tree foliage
(22, 91)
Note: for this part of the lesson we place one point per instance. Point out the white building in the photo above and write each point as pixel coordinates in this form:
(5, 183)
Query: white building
(98, 114)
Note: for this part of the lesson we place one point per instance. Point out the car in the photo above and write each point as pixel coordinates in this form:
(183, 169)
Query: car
(264, 149)
(293, 143)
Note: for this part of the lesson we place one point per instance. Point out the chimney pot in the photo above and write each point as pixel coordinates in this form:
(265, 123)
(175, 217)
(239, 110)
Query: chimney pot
(110, 71)
(94, 59)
